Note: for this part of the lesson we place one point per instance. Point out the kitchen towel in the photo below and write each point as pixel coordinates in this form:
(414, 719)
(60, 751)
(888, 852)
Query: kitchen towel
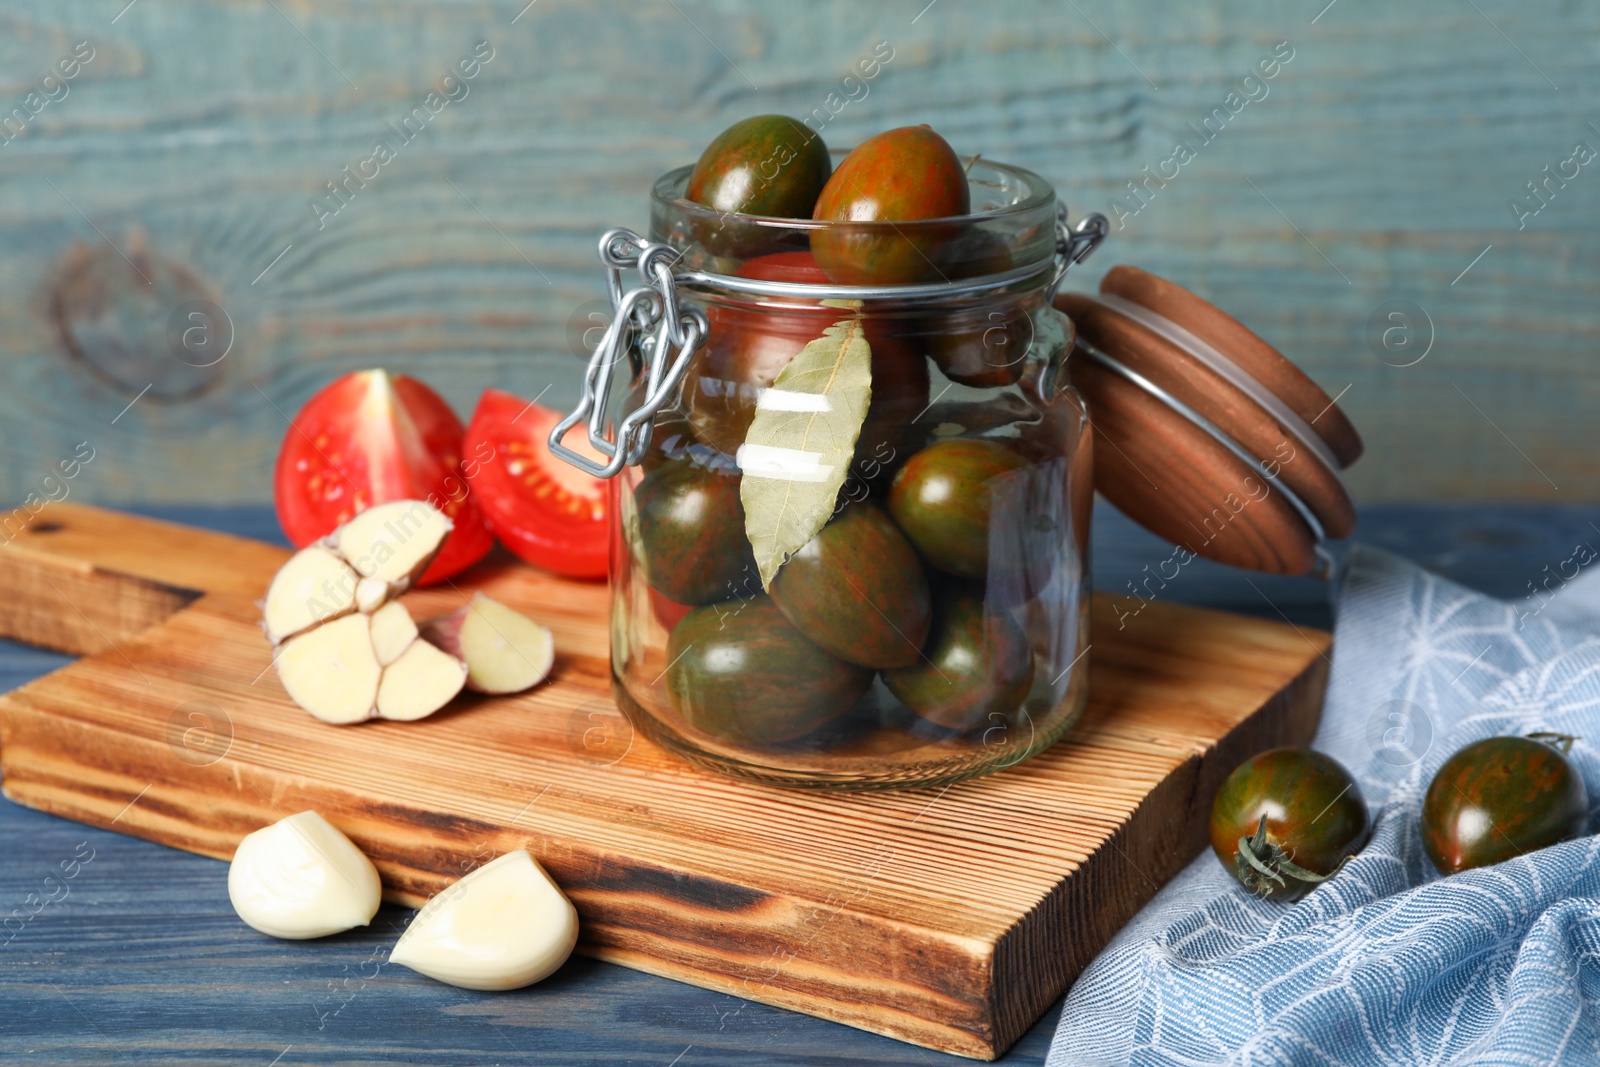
(1388, 963)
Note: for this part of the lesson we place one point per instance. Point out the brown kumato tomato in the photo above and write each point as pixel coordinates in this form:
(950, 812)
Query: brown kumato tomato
(767, 165)
(858, 591)
(749, 346)
(976, 668)
(1286, 820)
(691, 526)
(741, 672)
(942, 499)
(984, 348)
(1501, 797)
(902, 175)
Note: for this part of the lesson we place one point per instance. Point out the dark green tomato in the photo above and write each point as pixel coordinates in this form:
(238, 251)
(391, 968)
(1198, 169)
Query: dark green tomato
(1498, 798)
(769, 165)
(858, 591)
(903, 175)
(692, 528)
(670, 436)
(975, 665)
(742, 672)
(1314, 815)
(748, 347)
(975, 252)
(986, 348)
(941, 498)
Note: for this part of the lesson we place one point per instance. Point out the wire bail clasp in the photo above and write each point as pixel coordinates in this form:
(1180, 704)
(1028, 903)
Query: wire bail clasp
(1075, 243)
(649, 319)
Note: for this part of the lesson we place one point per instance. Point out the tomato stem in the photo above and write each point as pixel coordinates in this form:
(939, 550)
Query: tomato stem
(1252, 868)
(1261, 861)
(1562, 742)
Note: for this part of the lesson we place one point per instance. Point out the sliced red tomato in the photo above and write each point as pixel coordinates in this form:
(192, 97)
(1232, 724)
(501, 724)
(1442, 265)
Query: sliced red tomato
(540, 506)
(369, 438)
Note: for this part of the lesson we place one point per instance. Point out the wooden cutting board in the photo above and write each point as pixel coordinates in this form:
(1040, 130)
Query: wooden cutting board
(947, 917)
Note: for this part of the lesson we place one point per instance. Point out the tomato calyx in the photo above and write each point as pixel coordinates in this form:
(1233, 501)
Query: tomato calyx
(1562, 743)
(1261, 860)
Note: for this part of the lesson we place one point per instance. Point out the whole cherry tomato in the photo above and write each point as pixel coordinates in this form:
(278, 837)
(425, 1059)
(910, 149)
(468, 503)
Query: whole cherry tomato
(903, 175)
(1286, 820)
(748, 348)
(767, 165)
(1500, 797)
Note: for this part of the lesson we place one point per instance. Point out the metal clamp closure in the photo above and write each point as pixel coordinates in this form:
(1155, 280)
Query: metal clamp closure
(1075, 243)
(648, 317)
(660, 337)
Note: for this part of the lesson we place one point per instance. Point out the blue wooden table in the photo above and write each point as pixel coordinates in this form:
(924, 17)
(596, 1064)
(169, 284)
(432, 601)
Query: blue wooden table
(144, 961)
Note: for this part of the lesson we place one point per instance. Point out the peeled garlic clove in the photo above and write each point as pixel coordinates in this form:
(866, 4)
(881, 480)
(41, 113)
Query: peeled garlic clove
(503, 926)
(392, 632)
(301, 877)
(313, 587)
(333, 671)
(420, 682)
(393, 542)
(371, 594)
(505, 652)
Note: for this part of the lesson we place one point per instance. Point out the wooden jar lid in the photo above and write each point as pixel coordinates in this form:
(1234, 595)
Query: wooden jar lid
(1205, 434)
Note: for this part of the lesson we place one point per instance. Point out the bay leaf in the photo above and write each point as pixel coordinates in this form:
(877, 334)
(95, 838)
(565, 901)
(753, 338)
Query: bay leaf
(798, 449)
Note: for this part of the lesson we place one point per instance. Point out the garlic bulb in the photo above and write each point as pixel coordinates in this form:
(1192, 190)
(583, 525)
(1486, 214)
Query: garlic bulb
(503, 926)
(301, 877)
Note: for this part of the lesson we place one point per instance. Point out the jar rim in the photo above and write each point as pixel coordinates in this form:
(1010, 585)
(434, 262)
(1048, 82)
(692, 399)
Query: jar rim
(976, 287)
(981, 173)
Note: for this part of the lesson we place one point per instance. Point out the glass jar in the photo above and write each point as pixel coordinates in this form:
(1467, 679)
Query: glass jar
(853, 520)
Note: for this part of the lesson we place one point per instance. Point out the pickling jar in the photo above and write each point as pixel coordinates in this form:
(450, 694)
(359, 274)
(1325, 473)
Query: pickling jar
(852, 521)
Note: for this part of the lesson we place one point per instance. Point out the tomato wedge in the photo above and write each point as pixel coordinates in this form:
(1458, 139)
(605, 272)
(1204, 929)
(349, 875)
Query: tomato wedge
(540, 506)
(369, 438)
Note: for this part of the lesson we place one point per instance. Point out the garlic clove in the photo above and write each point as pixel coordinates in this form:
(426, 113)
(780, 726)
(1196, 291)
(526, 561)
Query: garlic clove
(503, 926)
(419, 682)
(313, 587)
(393, 542)
(392, 632)
(301, 877)
(505, 652)
(371, 594)
(333, 671)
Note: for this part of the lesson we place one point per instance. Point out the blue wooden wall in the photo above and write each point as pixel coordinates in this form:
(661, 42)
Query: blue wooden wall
(178, 165)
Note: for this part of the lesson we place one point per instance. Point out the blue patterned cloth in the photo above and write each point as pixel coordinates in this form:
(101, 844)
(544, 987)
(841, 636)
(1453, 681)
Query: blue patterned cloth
(1388, 963)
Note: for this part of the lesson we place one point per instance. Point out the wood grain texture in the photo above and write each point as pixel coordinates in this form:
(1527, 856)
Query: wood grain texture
(147, 949)
(1379, 165)
(189, 979)
(949, 918)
